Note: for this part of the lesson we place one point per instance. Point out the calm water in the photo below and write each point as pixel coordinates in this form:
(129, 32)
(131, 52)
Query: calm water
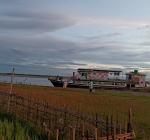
(26, 80)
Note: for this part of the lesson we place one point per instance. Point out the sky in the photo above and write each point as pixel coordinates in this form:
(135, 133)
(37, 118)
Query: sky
(58, 36)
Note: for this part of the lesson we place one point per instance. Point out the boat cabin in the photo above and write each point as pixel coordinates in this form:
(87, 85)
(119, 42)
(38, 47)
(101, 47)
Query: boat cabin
(95, 74)
(135, 79)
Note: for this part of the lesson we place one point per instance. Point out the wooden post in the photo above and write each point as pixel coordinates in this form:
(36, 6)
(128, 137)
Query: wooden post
(114, 132)
(3, 137)
(129, 125)
(125, 126)
(10, 91)
(29, 138)
(87, 135)
(14, 98)
(119, 128)
(117, 122)
(96, 133)
(37, 112)
(4, 133)
(57, 134)
(96, 120)
(47, 130)
(11, 84)
(44, 111)
(23, 108)
(48, 134)
(111, 124)
(96, 125)
(65, 118)
(83, 130)
(73, 133)
(107, 128)
(28, 109)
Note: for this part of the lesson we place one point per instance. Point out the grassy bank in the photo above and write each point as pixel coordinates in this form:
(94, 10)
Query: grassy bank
(12, 128)
(108, 102)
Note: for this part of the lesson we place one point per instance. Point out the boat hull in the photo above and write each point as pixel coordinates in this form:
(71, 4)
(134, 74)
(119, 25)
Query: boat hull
(72, 85)
(57, 83)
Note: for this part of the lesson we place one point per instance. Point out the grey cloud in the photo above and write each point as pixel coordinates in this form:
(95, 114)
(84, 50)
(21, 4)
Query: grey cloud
(145, 43)
(19, 19)
(47, 51)
(102, 35)
(145, 27)
(114, 34)
(29, 21)
(44, 51)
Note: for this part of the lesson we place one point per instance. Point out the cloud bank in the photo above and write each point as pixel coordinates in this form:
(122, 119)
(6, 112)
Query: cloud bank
(34, 36)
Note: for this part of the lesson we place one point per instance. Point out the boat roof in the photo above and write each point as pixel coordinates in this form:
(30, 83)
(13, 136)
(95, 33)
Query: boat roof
(102, 70)
(139, 74)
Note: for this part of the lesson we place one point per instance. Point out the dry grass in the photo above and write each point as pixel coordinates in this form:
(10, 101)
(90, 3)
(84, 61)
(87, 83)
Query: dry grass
(102, 101)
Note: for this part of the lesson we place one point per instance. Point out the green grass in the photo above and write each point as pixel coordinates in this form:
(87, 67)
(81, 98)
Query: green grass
(14, 129)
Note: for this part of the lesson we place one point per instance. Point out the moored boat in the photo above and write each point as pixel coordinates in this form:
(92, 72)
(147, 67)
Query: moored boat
(81, 79)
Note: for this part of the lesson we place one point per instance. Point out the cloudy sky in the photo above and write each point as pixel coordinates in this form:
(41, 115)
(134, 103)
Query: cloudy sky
(53, 36)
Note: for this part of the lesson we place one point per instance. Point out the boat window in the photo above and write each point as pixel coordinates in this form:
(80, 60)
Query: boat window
(84, 74)
(116, 73)
(130, 76)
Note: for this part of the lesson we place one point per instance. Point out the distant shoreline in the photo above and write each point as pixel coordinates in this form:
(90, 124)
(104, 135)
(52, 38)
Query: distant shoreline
(25, 75)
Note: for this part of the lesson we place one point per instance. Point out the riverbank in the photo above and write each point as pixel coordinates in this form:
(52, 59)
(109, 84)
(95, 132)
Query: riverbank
(103, 101)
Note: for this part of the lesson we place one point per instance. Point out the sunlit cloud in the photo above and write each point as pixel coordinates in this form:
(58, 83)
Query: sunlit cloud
(118, 23)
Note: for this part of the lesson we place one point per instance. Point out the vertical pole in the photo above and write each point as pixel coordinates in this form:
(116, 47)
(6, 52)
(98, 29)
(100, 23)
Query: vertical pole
(11, 84)
(57, 134)
(3, 137)
(29, 138)
(4, 133)
(117, 122)
(83, 130)
(96, 125)
(114, 131)
(119, 128)
(111, 124)
(129, 126)
(125, 127)
(74, 133)
(96, 133)
(37, 112)
(48, 134)
(10, 91)
(87, 135)
(96, 121)
(28, 112)
(107, 128)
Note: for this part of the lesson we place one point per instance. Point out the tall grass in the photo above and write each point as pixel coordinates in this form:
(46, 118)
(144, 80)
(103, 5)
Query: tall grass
(12, 128)
(102, 101)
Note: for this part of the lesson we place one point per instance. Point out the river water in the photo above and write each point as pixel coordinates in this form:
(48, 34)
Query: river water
(26, 80)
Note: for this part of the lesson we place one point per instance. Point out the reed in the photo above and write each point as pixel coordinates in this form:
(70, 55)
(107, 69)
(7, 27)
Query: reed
(12, 128)
(102, 101)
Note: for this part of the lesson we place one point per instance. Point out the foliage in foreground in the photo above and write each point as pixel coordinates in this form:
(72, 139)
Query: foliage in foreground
(100, 102)
(12, 128)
